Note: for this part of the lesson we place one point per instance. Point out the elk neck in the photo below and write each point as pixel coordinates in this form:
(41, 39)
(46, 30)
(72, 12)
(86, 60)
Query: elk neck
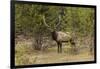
(54, 35)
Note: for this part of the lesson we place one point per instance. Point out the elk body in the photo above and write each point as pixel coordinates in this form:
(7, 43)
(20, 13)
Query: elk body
(60, 37)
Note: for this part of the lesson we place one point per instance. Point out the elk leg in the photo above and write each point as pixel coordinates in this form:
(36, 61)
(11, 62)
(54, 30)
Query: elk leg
(60, 47)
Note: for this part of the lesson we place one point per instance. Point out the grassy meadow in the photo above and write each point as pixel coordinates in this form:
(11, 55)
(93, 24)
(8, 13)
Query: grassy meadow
(26, 55)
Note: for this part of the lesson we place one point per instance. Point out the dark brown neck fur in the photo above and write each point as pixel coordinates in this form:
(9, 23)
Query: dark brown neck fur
(54, 35)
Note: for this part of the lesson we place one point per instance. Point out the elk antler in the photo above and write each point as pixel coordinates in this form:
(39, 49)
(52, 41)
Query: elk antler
(59, 21)
(44, 21)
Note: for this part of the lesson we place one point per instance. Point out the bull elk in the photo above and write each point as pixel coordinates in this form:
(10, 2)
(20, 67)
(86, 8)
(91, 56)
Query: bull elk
(59, 36)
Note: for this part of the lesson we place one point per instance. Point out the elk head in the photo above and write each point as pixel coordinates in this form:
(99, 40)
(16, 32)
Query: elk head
(52, 30)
